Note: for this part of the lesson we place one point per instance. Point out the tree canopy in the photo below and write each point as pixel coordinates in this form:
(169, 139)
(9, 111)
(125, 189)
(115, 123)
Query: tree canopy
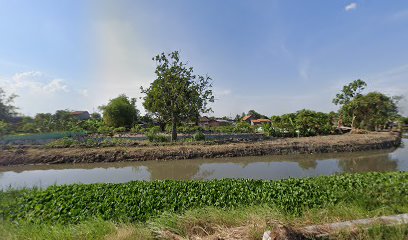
(120, 112)
(370, 111)
(177, 94)
(7, 109)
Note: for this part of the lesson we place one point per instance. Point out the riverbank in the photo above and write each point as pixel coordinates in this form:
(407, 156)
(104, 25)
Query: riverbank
(305, 145)
(220, 209)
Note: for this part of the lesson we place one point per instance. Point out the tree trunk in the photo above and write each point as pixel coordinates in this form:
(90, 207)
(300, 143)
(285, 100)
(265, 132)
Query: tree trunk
(174, 130)
(352, 121)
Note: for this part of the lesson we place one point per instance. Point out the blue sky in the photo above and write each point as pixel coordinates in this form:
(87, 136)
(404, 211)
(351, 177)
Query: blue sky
(271, 56)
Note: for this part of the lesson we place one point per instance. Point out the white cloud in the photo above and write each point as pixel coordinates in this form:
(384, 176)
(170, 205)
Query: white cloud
(37, 82)
(39, 92)
(350, 7)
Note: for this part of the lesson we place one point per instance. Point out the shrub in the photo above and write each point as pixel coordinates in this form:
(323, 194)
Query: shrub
(199, 136)
(153, 135)
(119, 130)
(64, 142)
(105, 130)
(137, 129)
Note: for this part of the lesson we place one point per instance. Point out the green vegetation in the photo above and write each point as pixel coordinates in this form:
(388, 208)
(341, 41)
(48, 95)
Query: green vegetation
(177, 94)
(7, 109)
(100, 211)
(154, 135)
(371, 111)
(120, 112)
(67, 142)
(140, 201)
(303, 123)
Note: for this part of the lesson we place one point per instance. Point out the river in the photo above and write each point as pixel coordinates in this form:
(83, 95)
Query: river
(261, 167)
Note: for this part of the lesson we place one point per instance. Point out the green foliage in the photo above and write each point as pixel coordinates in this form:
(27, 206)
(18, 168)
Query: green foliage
(256, 115)
(4, 128)
(96, 116)
(7, 109)
(177, 94)
(120, 112)
(154, 135)
(371, 111)
(91, 125)
(302, 123)
(199, 136)
(119, 130)
(65, 142)
(90, 143)
(226, 129)
(105, 130)
(188, 129)
(141, 201)
(137, 129)
(349, 92)
(243, 127)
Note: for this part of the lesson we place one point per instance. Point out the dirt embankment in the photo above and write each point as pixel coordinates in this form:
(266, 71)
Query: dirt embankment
(306, 145)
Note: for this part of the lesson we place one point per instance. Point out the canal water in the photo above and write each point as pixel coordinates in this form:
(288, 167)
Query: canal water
(261, 167)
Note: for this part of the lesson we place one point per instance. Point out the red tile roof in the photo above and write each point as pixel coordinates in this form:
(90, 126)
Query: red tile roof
(261, 120)
(246, 117)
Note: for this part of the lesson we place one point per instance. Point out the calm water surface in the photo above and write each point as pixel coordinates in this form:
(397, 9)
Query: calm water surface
(264, 167)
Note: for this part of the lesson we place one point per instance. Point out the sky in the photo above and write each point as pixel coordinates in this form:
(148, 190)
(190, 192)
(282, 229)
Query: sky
(275, 56)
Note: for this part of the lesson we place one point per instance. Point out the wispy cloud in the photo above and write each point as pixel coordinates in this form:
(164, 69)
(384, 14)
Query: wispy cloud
(350, 7)
(400, 15)
(304, 69)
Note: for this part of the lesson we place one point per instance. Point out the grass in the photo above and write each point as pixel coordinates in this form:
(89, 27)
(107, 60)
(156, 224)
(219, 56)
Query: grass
(250, 222)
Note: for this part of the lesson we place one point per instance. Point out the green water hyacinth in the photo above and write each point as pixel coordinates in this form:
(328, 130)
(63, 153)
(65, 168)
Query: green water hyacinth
(140, 200)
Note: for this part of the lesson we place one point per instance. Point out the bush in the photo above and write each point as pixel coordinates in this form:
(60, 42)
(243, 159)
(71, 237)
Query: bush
(137, 129)
(153, 135)
(140, 201)
(105, 130)
(243, 127)
(65, 142)
(199, 136)
(119, 130)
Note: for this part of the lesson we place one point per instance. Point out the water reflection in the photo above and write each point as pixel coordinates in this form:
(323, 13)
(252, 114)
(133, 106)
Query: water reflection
(265, 167)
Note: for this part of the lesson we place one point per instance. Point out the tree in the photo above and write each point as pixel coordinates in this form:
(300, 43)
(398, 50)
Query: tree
(120, 112)
(96, 116)
(256, 115)
(7, 109)
(372, 111)
(349, 93)
(177, 94)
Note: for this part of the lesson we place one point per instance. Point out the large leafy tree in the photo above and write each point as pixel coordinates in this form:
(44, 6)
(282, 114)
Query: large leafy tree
(7, 109)
(373, 110)
(349, 92)
(120, 112)
(177, 94)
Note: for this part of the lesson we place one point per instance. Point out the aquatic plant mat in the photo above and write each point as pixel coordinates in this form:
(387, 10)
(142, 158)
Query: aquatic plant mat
(226, 209)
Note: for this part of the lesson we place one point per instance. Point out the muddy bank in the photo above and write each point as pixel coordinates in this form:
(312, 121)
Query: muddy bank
(306, 145)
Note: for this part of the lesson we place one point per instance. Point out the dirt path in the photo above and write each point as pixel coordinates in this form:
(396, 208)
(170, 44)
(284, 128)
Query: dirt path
(305, 145)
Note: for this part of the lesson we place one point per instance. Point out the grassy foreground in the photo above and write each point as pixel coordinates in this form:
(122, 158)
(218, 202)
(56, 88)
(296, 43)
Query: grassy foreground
(143, 210)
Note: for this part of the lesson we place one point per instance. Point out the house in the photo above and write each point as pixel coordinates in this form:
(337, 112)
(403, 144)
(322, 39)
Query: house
(248, 118)
(257, 122)
(81, 115)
